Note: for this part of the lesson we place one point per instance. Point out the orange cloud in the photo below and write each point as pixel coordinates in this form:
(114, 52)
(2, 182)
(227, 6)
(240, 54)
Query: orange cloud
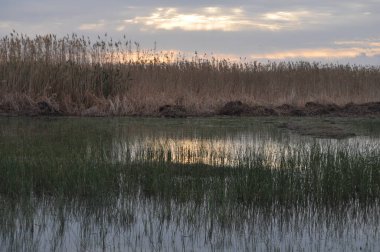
(92, 26)
(320, 53)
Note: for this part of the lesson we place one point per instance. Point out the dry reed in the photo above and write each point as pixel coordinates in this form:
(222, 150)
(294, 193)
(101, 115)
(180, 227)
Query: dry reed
(106, 77)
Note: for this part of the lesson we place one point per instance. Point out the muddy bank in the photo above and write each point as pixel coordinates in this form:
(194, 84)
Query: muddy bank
(172, 111)
(30, 108)
(48, 107)
(237, 108)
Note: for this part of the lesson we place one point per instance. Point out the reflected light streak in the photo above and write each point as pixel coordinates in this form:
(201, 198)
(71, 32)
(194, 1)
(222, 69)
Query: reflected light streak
(228, 152)
(243, 150)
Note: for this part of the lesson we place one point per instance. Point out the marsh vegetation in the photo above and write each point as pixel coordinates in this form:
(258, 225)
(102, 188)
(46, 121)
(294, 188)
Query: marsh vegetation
(73, 75)
(216, 183)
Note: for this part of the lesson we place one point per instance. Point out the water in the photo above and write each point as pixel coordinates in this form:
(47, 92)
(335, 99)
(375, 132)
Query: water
(144, 213)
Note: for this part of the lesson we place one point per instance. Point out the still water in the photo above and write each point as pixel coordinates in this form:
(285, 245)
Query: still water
(135, 222)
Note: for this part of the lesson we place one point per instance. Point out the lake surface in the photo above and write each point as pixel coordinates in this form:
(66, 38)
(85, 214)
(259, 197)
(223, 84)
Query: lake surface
(117, 184)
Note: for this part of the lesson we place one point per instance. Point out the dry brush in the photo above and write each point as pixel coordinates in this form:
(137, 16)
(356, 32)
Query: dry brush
(76, 76)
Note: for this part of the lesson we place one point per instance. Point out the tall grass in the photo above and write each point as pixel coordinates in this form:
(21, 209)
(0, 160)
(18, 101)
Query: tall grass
(73, 73)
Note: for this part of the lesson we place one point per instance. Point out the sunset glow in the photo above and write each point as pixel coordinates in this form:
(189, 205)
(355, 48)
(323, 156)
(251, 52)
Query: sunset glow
(266, 30)
(214, 18)
(321, 53)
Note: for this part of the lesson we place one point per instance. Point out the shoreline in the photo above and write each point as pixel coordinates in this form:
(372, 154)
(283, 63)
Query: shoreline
(232, 108)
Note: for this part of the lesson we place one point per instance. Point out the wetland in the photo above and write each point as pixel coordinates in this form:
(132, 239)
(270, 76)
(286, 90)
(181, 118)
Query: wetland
(189, 184)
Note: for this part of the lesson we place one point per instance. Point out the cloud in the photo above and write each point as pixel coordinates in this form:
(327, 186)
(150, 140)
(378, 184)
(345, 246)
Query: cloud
(369, 43)
(371, 49)
(297, 19)
(92, 26)
(271, 29)
(206, 19)
(222, 19)
(5, 25)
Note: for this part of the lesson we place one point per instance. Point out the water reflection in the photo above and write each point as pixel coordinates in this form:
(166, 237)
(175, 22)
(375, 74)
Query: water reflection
(233, 150)
(153, 226)
(226, 141)
(134, 220)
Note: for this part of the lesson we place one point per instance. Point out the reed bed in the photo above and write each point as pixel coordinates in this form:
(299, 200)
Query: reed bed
(78, 76)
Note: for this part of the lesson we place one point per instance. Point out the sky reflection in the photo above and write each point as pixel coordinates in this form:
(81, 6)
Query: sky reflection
(234, 150)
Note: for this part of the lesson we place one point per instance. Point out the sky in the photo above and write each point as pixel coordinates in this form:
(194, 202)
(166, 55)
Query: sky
(324, 30)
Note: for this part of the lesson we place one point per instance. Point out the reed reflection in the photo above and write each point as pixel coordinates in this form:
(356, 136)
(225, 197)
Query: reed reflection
(234, 150)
